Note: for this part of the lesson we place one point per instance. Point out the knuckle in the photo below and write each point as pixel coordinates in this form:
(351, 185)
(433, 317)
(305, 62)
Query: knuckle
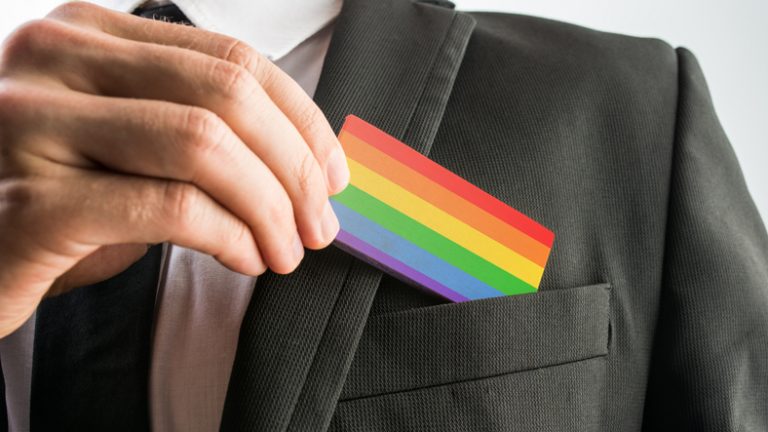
(14, 132)
(7, 94)
(279, 212)
(306, 174)
(258, 66)
(73, 9)
(21, 130)
(311, 122)
(309, 118)
(240, 233)
(31, 38)
(181, 202)
(15, 195)
(232, 81)
(10, 103)
(202, 133)
(241, 54)
(17, 199)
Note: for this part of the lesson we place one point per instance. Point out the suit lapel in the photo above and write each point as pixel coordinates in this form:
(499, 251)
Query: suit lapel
(392, 63)
(91, 356)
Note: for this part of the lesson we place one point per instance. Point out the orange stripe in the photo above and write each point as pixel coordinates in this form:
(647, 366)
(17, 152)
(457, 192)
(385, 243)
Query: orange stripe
(458, 207)
(440, 175)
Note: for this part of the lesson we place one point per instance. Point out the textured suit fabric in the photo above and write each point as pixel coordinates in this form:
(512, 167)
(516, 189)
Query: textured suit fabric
(653, 309)
(711, 334)
(3, 410)
(299, 333)
(612, 142)
(91, 355)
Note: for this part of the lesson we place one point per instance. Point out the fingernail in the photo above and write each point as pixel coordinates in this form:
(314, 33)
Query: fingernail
(338, 171)
(330, 223)
(261, 266)
(298, 248)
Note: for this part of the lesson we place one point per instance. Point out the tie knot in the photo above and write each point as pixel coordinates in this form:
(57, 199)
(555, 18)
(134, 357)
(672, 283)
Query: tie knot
(163, 11)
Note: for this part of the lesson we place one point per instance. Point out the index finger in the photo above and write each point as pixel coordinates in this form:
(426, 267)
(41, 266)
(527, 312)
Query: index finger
(287, 95)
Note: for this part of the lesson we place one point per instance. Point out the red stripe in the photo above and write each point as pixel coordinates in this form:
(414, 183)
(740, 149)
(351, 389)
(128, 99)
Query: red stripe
(410, 157)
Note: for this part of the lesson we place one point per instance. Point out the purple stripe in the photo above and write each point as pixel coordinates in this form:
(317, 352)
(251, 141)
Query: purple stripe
(377, 258)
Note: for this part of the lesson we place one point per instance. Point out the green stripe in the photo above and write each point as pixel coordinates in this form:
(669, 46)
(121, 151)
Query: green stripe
(431, 241)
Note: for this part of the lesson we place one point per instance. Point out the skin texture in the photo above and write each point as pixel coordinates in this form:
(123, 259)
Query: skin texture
(117, 132)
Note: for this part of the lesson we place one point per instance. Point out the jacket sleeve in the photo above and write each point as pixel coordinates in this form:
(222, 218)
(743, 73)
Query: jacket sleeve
(709, 367)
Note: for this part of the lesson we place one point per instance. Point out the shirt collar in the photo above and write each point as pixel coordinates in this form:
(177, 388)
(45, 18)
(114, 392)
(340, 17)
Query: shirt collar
(272, 27)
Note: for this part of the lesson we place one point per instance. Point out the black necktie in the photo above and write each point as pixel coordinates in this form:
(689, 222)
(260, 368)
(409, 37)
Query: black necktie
(169, 13)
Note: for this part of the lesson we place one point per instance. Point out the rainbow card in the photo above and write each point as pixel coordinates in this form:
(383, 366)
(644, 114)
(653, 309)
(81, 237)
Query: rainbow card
(423, 224)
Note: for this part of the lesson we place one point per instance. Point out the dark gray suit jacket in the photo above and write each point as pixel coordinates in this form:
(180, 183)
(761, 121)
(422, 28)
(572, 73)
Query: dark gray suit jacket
(653, 310)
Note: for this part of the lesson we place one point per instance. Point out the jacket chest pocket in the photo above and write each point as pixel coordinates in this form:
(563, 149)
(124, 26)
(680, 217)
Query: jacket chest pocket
(478, 350)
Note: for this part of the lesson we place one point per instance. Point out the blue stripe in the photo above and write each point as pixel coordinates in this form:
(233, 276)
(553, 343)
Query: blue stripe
(411, 254)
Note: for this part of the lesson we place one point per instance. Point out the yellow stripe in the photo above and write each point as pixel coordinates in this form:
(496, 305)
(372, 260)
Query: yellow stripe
(443, 223)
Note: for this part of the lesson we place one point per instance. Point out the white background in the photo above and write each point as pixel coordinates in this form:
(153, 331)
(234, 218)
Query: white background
(730, 39)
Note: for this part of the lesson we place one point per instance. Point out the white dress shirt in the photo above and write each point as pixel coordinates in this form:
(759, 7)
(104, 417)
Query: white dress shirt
(200, 303)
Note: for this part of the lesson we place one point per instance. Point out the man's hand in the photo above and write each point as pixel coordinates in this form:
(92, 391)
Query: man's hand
(117, 132)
